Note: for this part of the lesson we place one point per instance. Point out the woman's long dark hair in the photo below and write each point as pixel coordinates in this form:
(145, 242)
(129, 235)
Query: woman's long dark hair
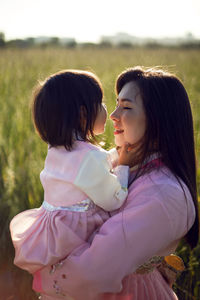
(169, 127)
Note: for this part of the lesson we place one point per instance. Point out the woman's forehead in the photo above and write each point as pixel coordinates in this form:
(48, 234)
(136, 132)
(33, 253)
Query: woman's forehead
(129, 91)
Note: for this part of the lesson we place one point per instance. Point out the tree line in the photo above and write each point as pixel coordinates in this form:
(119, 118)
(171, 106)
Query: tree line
(31, 42)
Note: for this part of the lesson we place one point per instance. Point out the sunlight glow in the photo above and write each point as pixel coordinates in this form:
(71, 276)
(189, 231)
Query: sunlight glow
(88, 20)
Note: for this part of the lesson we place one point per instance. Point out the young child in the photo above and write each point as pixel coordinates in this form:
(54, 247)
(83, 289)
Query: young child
(79, 185)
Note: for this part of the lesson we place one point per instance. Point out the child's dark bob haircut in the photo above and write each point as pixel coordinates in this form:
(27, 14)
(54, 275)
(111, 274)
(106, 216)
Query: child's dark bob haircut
(65, 107)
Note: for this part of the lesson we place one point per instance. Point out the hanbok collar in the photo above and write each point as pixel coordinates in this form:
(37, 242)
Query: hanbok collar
(155, 157)
(76, 137)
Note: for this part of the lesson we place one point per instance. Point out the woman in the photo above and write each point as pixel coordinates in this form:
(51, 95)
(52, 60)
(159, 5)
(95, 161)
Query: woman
(153, 114)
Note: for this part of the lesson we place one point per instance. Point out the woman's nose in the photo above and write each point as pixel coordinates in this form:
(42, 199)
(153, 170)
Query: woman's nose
(114, 116)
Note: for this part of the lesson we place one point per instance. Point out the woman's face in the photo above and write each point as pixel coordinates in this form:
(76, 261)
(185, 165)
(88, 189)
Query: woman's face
(129, 118)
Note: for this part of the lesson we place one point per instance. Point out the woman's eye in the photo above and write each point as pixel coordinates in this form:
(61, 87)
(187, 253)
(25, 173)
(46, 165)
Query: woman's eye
(123, 107)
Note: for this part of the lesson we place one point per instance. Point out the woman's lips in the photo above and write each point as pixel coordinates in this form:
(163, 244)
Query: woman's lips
(118, 131)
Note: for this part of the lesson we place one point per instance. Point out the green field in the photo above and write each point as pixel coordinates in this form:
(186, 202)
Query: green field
(22, 153)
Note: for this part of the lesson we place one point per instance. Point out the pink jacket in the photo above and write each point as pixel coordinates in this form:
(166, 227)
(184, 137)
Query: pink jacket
(72, 176)
(155, 216)
(73, 181)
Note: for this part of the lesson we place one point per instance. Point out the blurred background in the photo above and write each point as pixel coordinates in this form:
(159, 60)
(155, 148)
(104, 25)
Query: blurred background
(38, 38)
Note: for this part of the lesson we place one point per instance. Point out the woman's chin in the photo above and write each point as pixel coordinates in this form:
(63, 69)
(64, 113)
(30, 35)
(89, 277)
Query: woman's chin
(119, 142)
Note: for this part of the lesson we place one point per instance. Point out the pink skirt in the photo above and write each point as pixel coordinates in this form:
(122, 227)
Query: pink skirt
(150, 286)
(43, 237)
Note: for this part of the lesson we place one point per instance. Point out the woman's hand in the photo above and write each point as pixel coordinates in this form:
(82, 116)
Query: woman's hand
(126, 155)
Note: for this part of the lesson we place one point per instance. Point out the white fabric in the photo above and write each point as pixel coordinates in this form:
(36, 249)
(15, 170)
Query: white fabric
(113, 157)
(96, 180)
(82, 206)
(121, 173)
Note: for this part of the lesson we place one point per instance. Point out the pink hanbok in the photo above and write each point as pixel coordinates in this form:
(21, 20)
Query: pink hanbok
(155, 216)
(79, 190)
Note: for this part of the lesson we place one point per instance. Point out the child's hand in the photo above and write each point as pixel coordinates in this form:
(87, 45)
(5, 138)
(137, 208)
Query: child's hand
(126, 155)
(118, 148)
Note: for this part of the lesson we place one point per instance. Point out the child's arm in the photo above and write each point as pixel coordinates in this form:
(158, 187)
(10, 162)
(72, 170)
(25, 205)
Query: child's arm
(113, 157)
(107, 190)
(124, 158)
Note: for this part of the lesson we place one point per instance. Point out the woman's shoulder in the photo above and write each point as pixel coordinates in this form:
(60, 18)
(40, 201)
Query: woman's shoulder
(161, 177)
(161, 184)
(170, 195)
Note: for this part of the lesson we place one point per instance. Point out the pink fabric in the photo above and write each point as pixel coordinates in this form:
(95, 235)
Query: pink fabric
(149, 286)
(38, 281)
(60, 170)
(154, 218)
(42, 237)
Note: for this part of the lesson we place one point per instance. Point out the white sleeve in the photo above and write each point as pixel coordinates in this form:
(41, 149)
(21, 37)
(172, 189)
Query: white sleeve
(113, 157)
(122, 173)
(103, 187)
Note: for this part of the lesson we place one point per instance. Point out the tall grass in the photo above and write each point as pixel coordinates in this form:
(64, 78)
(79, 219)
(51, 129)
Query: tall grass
(22, 153)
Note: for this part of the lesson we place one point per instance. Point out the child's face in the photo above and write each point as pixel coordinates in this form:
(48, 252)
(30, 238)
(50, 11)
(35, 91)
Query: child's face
(100, 121)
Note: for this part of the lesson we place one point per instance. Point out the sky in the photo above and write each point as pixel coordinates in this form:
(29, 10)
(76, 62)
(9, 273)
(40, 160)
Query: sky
(88, 20)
